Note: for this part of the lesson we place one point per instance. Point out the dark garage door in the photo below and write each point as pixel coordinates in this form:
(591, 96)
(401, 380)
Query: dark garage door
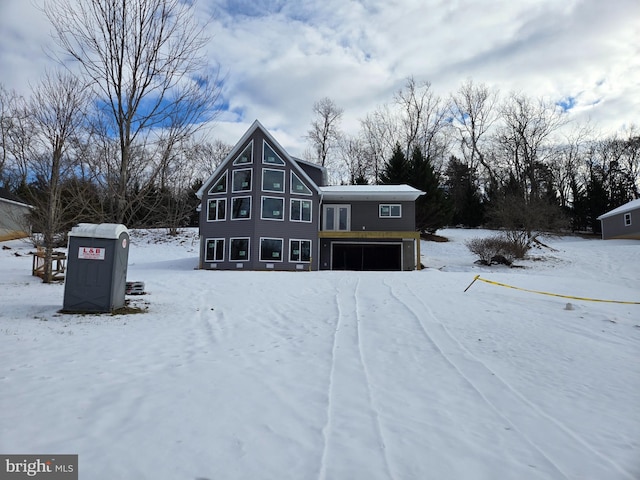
(367, 256)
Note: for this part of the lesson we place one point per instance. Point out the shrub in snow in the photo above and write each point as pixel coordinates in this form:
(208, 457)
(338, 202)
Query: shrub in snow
(498, 249)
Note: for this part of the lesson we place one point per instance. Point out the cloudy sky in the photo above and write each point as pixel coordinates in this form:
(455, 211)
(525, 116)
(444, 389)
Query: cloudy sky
(280, 56)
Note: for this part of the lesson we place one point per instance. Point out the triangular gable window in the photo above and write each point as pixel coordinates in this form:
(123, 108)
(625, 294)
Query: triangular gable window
(297, 186)
(220, 186)
(246, 156)
(271, 157)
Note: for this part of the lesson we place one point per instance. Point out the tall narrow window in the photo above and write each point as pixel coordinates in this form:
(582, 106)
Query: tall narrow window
(215, 250)
(271, 249)
(241, 180)
(216, 210)
(239, 250)
(270, 156)
(241, 208)
(337, 217)
(220, 186)
(627, 219)
(300, 251)
(246, 156)
(300, 210)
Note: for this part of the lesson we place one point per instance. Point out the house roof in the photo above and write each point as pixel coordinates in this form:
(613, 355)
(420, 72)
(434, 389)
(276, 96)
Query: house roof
(241, 143)
(371, 192)
(627, 207)
(7, 196)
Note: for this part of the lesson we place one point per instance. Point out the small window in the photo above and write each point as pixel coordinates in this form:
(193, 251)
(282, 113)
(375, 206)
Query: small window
(272, 208)
(215, 250)
(272, 180)
(216, 210)
(241, 180)
(390, 211)
(300, 251)
(300, 210)
(627, 219)
(241, 208)
(297, 186)
(270, 156)
(271, 249)
(220, 186)
(337, 217)
(246, 157)
(239, 249)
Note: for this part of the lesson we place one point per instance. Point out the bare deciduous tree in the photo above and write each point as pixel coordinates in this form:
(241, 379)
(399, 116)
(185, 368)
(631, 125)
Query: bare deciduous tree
(56, 108)
(474, 111)
(144, 60)
(324, 133)
(525, 139)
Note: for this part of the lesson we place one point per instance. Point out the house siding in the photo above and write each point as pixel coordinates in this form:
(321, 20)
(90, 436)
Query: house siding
(365, 219)
(615, 226)
(256, 227)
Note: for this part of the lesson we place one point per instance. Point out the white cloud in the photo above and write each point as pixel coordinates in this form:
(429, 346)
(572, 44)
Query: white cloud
(280, 57)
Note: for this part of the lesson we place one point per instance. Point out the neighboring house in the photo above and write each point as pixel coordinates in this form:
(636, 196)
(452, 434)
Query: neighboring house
(622, 222)
(14, 214)
(265, 210)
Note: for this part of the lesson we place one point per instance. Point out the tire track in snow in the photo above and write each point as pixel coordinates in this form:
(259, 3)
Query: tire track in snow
(438, 347)
(348, 452)
(545, 433)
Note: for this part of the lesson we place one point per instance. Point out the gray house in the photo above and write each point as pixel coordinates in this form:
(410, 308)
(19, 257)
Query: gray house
(622, 222)
(265, 210)
(14, 214)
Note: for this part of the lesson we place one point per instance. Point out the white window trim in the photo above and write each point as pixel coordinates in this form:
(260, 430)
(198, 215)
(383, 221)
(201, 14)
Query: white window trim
(278, 157)
(301, 200)
(336, 216)
(627, 219)
(248, 249)
(233, 182)
(284, 176)
(293, 174)
(217, 201)
(214, 260)
(250, 208)
(226, 181)
(310, 249)
(271, 260)
(262, 217)
(249, 145)
(389, 205)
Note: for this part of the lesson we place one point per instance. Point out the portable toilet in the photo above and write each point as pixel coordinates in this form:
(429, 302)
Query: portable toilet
(96, 275)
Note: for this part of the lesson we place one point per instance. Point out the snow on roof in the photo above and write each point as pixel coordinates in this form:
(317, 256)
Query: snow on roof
(370, 192)
(627, 207)
(98, 230)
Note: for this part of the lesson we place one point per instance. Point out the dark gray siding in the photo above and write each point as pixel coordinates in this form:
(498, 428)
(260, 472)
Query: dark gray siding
(615, 227)
(256, 228)
(365, 216)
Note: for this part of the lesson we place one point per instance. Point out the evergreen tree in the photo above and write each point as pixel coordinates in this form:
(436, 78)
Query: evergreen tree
(396, 171)
(433, 209)
(463, 194)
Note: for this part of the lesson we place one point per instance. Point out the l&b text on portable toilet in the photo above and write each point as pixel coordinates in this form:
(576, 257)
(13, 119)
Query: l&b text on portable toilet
(96, 275)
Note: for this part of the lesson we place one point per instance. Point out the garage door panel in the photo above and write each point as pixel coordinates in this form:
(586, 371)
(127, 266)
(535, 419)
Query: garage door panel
(367, 257)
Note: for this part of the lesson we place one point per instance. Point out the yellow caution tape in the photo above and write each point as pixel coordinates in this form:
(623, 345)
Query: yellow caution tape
(477, 277)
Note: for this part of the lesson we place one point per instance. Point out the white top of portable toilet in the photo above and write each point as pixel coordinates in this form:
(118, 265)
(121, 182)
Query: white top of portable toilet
(98, 230)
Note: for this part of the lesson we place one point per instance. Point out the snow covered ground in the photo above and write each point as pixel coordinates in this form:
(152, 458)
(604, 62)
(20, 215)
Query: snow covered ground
(332, 375)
